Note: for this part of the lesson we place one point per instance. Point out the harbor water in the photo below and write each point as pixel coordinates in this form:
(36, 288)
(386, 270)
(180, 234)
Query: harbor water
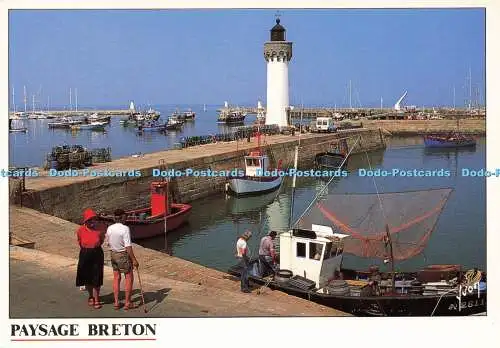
(459, 236)
(30, 149)
(216, 222)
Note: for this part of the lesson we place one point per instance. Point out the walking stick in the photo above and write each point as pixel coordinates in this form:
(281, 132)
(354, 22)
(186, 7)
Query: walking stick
(142, 293)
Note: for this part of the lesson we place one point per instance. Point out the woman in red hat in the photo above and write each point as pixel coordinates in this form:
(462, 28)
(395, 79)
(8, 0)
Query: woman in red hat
(90, 271)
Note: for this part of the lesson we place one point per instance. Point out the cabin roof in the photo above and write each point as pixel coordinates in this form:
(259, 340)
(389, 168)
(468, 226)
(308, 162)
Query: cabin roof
(318, 233)
(256, 156)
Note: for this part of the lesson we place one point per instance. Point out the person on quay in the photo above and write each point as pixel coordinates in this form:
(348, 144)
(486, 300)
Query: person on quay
(122, 258)
(90, 270)
(242, 254)
(267, 254)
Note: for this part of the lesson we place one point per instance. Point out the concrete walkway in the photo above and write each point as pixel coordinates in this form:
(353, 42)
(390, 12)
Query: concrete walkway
(56, 238)
(42, 285)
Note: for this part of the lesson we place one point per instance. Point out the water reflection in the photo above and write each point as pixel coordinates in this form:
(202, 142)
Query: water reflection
(217, 221)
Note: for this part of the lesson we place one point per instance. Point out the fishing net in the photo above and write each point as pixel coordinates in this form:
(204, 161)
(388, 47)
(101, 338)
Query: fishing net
(410, 217)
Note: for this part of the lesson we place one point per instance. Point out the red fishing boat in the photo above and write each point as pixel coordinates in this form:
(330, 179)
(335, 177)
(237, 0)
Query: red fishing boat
(160, 217)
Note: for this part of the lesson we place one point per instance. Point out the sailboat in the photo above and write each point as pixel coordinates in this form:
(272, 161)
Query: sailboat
(15, 130)
(312, 251)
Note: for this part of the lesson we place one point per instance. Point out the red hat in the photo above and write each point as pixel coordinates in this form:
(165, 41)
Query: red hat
(88, 214)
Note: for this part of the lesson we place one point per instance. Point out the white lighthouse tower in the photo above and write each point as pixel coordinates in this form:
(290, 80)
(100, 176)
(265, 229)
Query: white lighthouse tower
(278, 53)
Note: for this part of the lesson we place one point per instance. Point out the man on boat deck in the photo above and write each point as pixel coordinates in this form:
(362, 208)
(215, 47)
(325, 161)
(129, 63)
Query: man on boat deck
(122, 258)
(242, 254)
(267, 254)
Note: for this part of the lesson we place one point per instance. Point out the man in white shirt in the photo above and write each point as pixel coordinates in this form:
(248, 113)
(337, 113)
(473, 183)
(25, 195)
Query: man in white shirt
(122, 258)
(242, 254)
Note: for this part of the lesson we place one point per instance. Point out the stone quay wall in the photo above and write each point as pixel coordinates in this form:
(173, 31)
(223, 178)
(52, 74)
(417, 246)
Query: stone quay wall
(416, 127)
(105, 194)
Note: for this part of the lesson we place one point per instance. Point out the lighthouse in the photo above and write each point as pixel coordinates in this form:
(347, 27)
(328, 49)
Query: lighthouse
(278, 53)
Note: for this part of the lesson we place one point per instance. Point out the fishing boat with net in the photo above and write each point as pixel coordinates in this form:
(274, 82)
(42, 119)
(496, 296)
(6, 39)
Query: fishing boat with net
(390, 227)
(159, 218)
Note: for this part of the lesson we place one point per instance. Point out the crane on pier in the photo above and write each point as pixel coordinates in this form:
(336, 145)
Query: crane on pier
(397, 106)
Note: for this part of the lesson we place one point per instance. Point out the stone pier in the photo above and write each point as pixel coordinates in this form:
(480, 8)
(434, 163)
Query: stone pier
(66, 197)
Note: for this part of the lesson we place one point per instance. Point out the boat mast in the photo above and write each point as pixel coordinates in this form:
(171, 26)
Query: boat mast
(25, 100)
(13, 99)
(470, 89)
(70, 102)
(350, 96)
(453, 98)
(76, 99)
(293, 186)
(389, 243)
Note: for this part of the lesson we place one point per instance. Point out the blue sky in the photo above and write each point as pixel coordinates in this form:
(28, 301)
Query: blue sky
(209, 56)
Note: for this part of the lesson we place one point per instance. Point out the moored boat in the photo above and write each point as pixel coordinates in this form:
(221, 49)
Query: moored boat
(151, 127)
(189, 115)
(311, 268)
(95, 117)
(259, 178)
(231, 116)
(95, 125)
(449, 141)
(173, 124)
(311, 253)
(18, 130)
(64, 123)
(334, 158)
(159, 218)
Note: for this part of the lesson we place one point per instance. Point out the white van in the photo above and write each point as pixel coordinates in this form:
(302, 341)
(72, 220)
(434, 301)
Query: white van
(325, 124)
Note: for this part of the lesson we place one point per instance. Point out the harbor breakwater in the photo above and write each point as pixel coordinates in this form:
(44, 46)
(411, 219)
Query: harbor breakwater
(67, 197)
(418, 127)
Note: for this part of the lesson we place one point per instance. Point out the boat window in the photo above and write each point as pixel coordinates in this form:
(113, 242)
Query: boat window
(315, 250)
(249, 162)
(328, 251)
(301, 249)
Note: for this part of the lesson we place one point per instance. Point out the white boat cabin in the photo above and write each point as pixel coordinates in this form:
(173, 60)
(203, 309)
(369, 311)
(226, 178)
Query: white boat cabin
(256, 164)
(313, 254)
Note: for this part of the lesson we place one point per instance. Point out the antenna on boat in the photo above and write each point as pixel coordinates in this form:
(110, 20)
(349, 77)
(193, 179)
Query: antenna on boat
(162, 168)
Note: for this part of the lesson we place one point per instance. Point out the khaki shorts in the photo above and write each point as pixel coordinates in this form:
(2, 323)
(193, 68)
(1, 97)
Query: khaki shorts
(120, 261)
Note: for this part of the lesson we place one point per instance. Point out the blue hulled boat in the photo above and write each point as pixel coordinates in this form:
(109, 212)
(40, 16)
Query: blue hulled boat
(449, 141)
(153, 127)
